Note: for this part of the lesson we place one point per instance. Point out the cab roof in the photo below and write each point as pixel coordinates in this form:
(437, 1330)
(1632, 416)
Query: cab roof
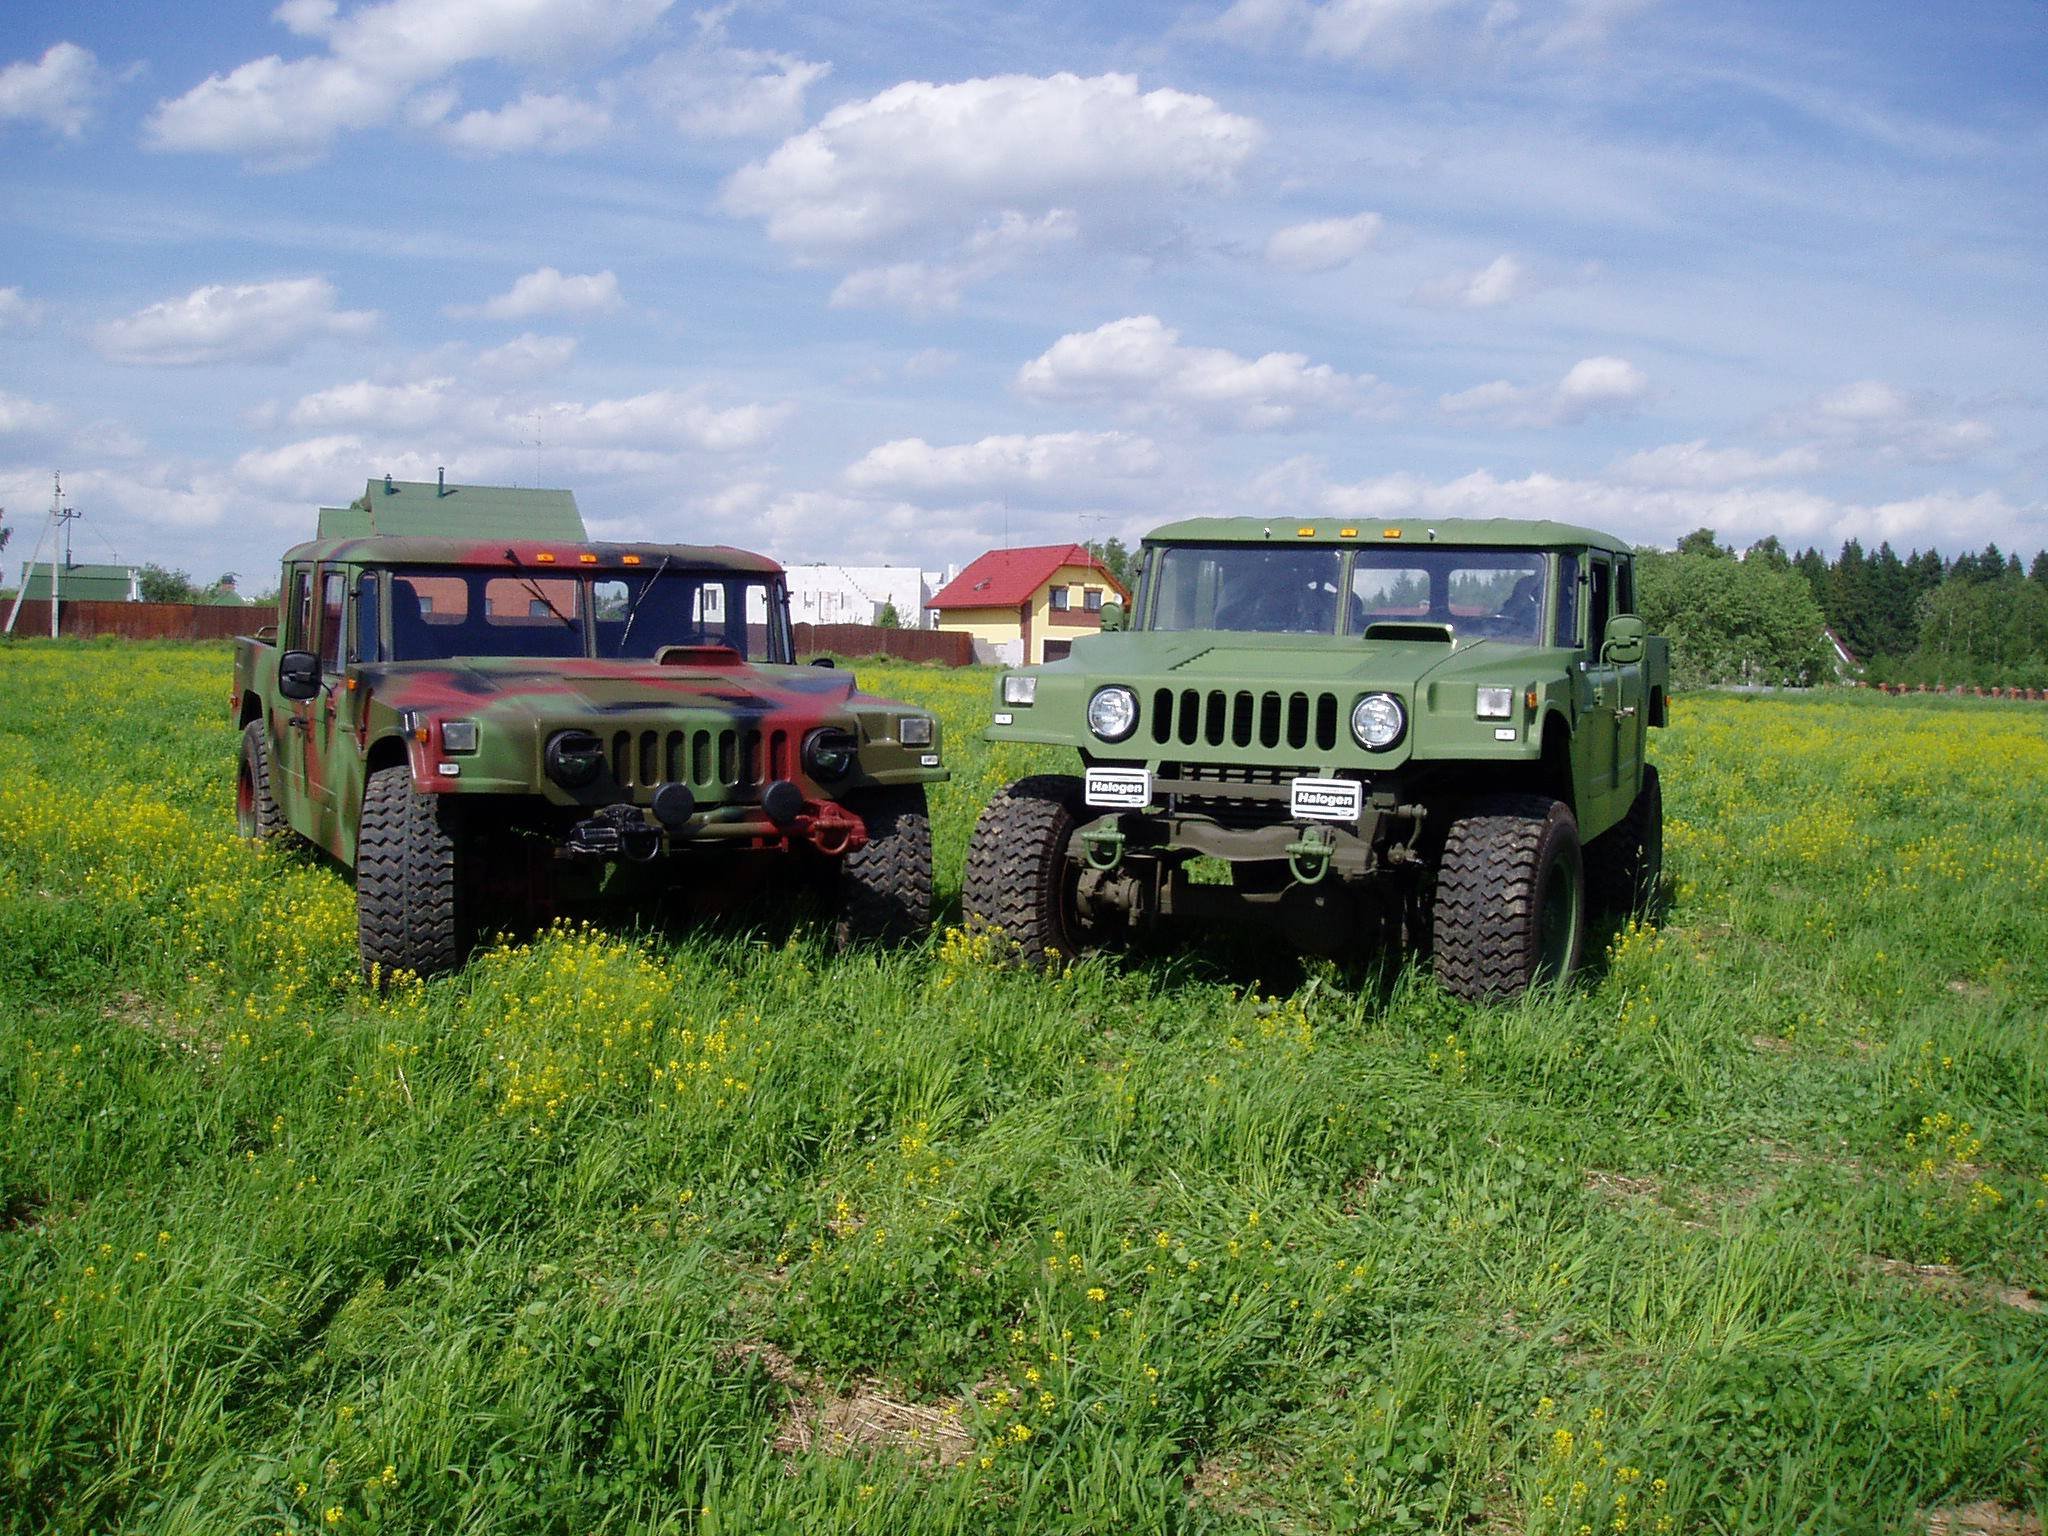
(1518, 533)
(499, 554)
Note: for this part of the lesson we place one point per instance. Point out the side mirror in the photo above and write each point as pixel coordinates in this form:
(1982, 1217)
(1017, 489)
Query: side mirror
(1625, 636)
(1112, 616)
(298, 674)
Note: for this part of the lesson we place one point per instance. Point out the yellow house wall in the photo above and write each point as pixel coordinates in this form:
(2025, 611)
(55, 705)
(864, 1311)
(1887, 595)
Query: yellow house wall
(1077, 579)
(994, 625)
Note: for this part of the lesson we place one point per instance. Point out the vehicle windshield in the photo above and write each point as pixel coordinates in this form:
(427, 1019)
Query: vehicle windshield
(1247, 587)
(1487, 594)
(442, 614)
(1491, 594)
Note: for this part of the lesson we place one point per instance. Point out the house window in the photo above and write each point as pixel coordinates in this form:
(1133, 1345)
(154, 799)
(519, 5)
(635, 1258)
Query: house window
(1091, 599)
(1059, 599)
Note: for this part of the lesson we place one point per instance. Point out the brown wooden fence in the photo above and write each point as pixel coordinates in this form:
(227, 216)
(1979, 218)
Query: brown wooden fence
(137, 621)
(948, 650)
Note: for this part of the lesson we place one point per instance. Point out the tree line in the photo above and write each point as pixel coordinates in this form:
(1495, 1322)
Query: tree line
(1760, 616)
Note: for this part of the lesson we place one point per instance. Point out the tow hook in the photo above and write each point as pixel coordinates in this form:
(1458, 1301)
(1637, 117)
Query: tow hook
(1103, 847)
(616, 832)
(1308, 858)
(832, 829)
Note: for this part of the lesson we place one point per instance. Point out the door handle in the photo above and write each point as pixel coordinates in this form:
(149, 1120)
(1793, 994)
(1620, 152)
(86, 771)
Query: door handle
(1624, 712)
(299, 723)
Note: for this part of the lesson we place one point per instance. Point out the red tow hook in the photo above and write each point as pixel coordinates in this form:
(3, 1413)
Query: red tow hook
(831, 827)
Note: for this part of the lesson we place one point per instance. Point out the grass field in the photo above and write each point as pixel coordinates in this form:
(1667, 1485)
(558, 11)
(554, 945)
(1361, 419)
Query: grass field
(714, 1231)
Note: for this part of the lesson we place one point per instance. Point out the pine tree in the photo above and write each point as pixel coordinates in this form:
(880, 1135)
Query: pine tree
(2039, 572)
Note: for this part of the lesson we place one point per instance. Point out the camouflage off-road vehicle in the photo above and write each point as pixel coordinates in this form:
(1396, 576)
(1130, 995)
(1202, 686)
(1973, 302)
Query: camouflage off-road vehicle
(479, 728)
(1431, 729)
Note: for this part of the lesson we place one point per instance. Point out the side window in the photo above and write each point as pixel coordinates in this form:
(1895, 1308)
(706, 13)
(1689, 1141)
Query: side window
(1624, 585)
(1597, 600)
(1091, 599)
(332, 585)
(299, 616)
(366, 618)
(1059, 599)
(1567, 631)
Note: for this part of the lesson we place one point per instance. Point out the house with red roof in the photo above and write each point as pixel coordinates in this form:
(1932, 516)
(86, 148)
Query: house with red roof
(1026, 605)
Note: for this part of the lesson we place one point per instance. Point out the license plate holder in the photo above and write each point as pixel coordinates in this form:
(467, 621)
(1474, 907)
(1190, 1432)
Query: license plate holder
(1118, 789)
(1326, 799)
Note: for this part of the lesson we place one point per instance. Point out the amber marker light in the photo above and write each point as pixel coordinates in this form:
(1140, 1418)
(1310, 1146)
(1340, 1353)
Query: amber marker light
(1390, 533)
(630, 559)
(545, 557)
(587, 559)
(1529, 699)
(1347, 533)
(1304, 533)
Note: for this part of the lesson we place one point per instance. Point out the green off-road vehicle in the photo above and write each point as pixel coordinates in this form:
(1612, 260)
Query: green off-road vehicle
(1434, 730)
(479, 729)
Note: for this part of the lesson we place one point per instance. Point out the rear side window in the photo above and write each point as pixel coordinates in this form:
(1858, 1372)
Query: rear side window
(1597, 600)
(1624, 585)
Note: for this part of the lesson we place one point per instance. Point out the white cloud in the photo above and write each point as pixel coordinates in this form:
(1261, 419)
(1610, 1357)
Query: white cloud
(550, 292)
(526, 356)
(1877, 418)
(659, 419)
(16, 312)
(928, 287)
(1594, 386)
(19, 416)
(1139, 365)
(1500, 280)
(290, 111)
(552, 124)
(1066, 463)
(1659, 515)
(399, 407)
(243, 323)
(921, 157)
(1324, 244)
(1695, 464)
(715, 91)
(57, 90)
(1387, 34)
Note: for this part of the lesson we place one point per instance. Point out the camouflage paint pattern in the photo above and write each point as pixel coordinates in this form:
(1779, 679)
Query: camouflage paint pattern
(702, 716)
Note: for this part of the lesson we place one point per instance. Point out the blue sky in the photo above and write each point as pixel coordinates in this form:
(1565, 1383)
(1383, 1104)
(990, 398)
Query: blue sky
(889, 282)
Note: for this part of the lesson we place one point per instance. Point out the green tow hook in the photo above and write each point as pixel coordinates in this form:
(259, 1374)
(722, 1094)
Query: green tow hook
(1104, 848)
(1308, 858)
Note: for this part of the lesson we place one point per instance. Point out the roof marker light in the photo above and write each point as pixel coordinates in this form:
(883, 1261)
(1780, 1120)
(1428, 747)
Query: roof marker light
(1304, 533)
(587, 558)
(1347, 533)
(1390, 533)
(630, 559)
(545, 558)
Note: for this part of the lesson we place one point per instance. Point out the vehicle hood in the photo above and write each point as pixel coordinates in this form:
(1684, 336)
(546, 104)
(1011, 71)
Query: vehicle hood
(588, 690)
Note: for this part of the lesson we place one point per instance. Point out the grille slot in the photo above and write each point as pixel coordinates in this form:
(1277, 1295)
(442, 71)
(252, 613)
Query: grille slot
(1189, 717)
(708, 761)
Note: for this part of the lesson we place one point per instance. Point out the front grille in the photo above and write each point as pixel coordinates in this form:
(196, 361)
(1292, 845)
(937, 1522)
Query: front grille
(1193, 717)
(1232, 794)
(704, 759)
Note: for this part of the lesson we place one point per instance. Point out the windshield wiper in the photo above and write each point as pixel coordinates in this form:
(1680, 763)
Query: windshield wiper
(633, 608)
(546, 602)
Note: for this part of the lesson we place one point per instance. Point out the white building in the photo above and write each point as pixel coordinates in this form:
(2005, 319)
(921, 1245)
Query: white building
(857, 594)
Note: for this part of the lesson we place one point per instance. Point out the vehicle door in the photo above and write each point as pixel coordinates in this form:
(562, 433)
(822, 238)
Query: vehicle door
(345, 756)
(324, 732)
(1631, 713)
(292, 719)
(1599, 698)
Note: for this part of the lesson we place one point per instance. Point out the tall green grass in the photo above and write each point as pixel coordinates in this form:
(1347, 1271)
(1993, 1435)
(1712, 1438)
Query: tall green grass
(706, 1229)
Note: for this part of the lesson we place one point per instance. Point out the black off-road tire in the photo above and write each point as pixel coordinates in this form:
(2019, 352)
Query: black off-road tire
(1625, 864)
(258, 816)
(410, 889)
(1019, 880)
(885, 886)
(1510, 907)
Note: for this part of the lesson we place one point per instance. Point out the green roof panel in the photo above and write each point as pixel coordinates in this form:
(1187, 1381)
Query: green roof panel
(426, 509)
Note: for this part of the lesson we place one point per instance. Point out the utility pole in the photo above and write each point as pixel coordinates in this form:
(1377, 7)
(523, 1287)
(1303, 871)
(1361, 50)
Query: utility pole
(62, 517)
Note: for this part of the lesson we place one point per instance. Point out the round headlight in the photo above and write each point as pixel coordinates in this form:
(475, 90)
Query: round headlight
(828, 753)
(1377, 721)
(574, 758)
(1113, 713)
